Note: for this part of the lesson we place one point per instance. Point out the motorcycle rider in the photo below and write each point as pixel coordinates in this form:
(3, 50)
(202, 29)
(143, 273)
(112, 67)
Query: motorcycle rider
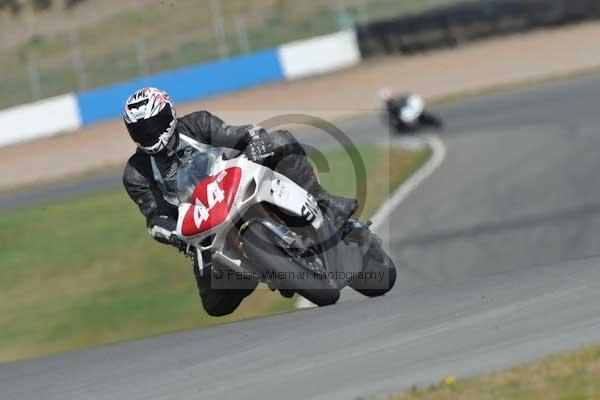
(150, 118)
(407, 112)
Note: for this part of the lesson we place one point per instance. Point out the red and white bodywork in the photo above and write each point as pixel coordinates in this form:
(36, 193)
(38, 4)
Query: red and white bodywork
(249, 218)
(233, 186)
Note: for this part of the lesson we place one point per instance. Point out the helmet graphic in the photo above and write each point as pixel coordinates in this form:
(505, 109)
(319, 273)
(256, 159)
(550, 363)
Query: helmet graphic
(150, 118)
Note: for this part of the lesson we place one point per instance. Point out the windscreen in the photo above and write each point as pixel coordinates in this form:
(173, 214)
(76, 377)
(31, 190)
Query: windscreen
(195, 170)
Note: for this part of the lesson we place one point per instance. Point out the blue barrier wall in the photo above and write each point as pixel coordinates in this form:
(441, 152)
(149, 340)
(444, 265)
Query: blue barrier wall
(185, 84)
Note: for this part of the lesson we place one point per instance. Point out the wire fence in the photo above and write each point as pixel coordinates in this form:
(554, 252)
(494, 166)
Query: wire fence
(142, 42)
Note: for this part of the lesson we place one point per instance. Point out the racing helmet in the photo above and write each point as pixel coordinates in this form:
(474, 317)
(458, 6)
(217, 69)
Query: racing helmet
(385, 94)
(150, 119)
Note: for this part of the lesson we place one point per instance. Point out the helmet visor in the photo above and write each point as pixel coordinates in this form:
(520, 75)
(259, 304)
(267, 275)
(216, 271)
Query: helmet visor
(148, 132)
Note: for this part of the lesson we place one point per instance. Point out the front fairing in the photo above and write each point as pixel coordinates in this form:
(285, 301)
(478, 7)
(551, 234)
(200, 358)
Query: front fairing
(239, 184)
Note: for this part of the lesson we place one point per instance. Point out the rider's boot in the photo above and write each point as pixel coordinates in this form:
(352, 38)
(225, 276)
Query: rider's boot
(340, 209)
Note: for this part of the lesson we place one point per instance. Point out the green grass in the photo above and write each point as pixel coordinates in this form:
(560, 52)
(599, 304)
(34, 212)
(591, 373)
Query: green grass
(385, 171)
(83, 272)
(175, 35)
(570, 376)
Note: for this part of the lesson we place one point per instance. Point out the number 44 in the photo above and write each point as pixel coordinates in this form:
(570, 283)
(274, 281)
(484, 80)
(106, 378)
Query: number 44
(215, 195)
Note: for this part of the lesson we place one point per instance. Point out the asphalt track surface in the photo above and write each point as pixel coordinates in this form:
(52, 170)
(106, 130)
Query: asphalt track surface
(498, 264)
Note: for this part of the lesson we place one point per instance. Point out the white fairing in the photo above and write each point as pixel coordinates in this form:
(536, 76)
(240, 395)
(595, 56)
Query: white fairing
(258, 185)
(415, 105)
(287, 195)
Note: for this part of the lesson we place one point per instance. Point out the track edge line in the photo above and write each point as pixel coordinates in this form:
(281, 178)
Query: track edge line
(438, 155)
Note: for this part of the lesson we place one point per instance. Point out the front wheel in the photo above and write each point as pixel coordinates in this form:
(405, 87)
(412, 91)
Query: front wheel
(283, 270)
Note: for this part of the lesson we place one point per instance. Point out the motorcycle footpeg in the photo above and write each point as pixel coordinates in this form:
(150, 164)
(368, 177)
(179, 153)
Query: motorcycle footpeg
(355, 232)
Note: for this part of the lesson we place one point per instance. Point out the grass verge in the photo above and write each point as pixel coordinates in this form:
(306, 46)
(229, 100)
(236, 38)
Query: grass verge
(573, 375)
(82, 273)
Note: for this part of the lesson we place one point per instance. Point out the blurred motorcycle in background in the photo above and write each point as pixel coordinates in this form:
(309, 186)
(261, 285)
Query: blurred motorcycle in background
(242, 219)
(407, 113)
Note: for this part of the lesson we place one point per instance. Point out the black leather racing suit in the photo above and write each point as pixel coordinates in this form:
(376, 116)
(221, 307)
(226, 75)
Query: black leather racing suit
(140, 181)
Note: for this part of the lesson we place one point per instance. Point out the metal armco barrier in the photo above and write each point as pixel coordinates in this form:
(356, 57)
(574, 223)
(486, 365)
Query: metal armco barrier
(450, 26)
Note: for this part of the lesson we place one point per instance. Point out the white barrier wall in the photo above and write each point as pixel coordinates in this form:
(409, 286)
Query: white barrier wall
(319, 55)
(35, 120)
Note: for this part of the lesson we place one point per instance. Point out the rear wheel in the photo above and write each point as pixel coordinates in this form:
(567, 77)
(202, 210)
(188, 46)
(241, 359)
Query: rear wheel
(379, 275)
(285, 270)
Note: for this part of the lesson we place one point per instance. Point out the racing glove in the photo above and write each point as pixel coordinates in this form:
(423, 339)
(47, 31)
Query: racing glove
(180, 245)
(259, 146)
(162, 229)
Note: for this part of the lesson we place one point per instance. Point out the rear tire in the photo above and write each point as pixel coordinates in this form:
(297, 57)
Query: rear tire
(271, 260)
(382, 273)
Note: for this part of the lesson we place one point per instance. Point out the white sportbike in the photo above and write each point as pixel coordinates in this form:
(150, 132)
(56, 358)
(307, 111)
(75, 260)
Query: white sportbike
(254, 222)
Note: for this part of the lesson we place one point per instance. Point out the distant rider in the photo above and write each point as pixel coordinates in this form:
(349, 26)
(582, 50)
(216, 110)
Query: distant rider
(407, 113)
(150, 173)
